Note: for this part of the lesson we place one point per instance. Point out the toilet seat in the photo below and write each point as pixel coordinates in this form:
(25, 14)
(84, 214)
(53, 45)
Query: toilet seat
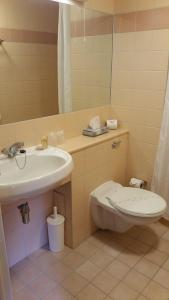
(130, 201)
(138, 202)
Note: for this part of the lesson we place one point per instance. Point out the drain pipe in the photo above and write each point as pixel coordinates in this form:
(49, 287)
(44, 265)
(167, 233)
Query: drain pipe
(25, 211)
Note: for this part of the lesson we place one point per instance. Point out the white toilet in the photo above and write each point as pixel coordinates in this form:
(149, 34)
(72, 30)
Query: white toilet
(119, 208)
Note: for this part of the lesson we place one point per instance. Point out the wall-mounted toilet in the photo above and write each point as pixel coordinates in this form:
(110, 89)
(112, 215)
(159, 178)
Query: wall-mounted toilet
(119, 208)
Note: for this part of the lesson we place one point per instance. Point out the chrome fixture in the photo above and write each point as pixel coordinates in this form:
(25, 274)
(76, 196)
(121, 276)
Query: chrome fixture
(24, 211)
(116, 144)
(12, 151)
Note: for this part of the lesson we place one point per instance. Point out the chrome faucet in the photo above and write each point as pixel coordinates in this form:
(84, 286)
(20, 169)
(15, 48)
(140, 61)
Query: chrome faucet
(12, 151)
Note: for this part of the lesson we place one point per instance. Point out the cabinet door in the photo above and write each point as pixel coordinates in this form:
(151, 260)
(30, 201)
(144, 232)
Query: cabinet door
(93, 167)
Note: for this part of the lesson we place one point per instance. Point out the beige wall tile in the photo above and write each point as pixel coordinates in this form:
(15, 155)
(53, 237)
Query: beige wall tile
(125, 22)
(44, 15)
(124, 6)
(121, 6)
(141, 60)
(143, 40)
(107, 6)
(123, 41)
(91, 71)
(160, 39)
(24, 65)
(28, 72)
(138, 93)
(142, 5)
(161, 3)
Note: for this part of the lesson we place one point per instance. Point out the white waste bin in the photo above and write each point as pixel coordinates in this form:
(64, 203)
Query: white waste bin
(56, 233)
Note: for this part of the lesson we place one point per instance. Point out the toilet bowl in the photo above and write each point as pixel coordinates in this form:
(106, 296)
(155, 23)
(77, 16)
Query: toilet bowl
(119, 208)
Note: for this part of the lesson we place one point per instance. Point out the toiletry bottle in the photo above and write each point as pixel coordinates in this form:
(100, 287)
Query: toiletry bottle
(44, 142)
(60, 137)
(52, 139)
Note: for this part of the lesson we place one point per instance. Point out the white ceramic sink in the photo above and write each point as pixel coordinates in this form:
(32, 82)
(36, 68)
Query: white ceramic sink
(43, 170)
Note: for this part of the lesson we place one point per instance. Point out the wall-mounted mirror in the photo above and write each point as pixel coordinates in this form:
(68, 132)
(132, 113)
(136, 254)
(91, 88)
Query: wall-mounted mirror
(54, 58)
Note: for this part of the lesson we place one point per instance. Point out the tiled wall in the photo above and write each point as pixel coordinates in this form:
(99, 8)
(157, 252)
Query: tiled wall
(32, 131)
(123, 6)
(106, 6)
(28, 66)
(43, 15)
(140, 69)
(91, 57)
(153, 19)
(91, 71)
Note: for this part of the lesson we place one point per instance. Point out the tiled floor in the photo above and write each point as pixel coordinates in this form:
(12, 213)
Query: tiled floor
(129, 266)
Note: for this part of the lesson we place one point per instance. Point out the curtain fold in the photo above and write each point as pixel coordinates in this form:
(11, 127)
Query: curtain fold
(64, 59)
(5, 283)
(160, 181)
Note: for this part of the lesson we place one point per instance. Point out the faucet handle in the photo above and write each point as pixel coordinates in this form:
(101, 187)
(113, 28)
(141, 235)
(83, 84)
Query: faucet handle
(13, 149)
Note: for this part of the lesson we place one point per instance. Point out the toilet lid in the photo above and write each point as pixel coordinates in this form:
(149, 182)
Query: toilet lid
(138, 202)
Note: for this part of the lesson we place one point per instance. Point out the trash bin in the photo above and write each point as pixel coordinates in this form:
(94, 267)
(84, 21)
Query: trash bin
(56, 233)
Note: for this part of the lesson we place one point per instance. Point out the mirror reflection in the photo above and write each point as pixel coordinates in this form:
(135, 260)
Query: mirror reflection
(54, 58)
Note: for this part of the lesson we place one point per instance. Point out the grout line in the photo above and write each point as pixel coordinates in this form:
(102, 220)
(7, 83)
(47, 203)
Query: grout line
(106, 242)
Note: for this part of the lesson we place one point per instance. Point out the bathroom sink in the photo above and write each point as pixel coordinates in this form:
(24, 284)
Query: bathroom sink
(42, 171)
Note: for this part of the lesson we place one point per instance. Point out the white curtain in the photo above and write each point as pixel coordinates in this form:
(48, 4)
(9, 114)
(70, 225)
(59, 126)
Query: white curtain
(5, 283)
(160, 181)
(64, 59)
